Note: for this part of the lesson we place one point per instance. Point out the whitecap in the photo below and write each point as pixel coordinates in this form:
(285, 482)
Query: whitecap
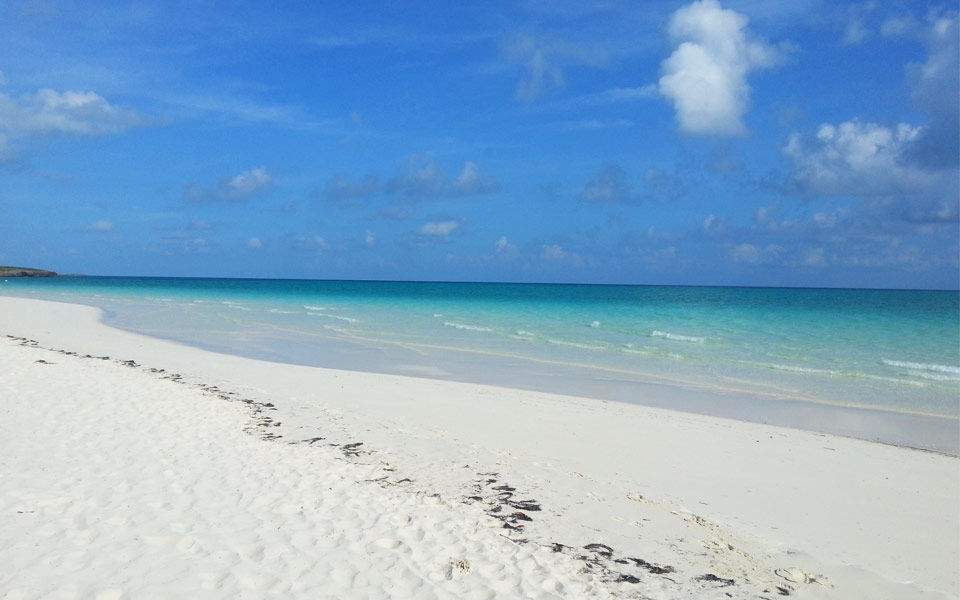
(934, 376)
(677, 338)
(575, 345)
(341, 318)
(922, 366)
(465, 326)
(805, 370)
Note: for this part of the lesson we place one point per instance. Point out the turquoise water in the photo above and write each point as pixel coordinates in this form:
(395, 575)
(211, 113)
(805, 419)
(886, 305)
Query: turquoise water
(896, 351)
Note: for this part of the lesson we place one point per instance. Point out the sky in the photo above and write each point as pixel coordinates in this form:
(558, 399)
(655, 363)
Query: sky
(744, 142)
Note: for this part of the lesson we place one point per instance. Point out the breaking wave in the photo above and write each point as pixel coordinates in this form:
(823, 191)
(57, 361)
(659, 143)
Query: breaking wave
(465, 326)
(575, 344)
(950, 370)
(677, 338)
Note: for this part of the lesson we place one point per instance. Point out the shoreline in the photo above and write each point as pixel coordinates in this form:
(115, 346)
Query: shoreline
(630, 478)
(785, 403)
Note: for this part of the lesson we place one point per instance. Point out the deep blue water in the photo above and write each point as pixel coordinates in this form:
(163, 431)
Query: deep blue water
(893, 350)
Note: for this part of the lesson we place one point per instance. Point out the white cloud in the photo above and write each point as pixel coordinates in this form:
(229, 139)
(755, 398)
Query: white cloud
(854, 158)
(755, 255)
(369, 239)
(101, 226)
(247, 183)
(49, 112)
(235, 189)
(706, 76)
(254, 243)
(439, 228)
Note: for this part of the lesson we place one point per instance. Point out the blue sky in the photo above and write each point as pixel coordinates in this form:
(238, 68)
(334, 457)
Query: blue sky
(806, 143)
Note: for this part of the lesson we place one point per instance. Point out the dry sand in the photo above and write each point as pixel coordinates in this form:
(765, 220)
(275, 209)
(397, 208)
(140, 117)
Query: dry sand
(166, 471)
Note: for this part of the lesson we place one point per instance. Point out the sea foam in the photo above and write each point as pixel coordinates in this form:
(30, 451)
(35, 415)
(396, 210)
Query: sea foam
(922, 366)
(575, 344)
(465, 326)
(677, 338)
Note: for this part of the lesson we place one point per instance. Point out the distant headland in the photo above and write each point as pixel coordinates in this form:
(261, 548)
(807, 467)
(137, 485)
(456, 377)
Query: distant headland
(24, 272)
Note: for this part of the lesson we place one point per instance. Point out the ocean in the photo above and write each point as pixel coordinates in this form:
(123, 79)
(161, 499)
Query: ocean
(859, 362)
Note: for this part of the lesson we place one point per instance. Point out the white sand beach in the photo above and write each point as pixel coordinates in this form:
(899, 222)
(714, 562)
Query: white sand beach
(132, 467)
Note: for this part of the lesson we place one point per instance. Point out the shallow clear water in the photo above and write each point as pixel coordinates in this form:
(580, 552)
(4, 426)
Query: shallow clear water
(885, 349)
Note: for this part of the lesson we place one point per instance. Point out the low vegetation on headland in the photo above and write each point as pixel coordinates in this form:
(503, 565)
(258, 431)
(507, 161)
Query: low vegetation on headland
(24, 272)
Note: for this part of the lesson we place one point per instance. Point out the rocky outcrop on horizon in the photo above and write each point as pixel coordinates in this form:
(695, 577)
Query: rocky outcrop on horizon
(25, 272)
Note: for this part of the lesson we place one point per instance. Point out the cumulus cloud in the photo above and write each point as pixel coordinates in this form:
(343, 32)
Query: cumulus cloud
(543, 62)
(238, 188)
(48, 112)
(254, 243)
(706, 76)
(424, 178)
(610, 185)
(858, 159)
(754, 255)
(439, 228)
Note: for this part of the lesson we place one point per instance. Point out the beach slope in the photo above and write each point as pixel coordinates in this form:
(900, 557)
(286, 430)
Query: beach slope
(136, 467)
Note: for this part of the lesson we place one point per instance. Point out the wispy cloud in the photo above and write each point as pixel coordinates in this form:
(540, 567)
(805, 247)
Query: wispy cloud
(610, 185)
(595, 124)
(101, 226)
(245, 110)
(543, 62)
